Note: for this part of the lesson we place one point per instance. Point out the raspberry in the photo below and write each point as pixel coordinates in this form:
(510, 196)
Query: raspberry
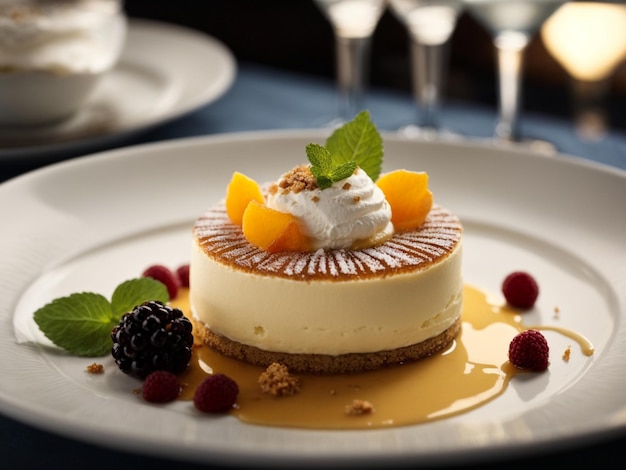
(160, 387)
(183, 275)
(152, 337)
(166, 276)
(529, 350)
(520, 290)
(217, 393)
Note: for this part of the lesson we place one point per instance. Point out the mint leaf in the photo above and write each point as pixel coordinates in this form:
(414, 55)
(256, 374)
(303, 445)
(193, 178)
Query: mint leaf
(343, 171)
(131, 293)
(78, 323)
(359, 141)
(81, 323)
(355, 144)
(323, 181)
(319, 158)
(321, 165)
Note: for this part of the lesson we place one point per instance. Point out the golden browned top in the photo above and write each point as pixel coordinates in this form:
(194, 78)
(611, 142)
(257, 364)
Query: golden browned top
(410, 251)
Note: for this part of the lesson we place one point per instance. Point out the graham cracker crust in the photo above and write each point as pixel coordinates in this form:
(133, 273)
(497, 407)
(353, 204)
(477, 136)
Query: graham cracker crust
(326, 364)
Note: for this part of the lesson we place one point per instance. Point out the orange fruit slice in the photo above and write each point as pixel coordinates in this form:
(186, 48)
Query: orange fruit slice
(409, 197)
(271, 230)
(240, 191)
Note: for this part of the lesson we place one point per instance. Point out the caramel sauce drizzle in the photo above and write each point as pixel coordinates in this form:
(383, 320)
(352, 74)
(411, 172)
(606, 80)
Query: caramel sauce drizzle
(472, 371)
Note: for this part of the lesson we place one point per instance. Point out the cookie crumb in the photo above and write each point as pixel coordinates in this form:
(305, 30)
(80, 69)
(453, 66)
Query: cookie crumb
(567, 353)
(95, 368)
(277, 381)
(557, 310)
(359, 407)
(298, 179)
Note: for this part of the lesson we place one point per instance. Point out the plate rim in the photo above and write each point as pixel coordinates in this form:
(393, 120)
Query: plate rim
(277, 135)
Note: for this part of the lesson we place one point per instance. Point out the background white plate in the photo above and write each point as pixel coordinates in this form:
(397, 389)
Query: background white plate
(89, 223)
(164, 72)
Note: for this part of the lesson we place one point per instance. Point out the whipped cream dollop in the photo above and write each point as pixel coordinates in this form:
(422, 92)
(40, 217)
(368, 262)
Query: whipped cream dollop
(352, 213)
(63, 36)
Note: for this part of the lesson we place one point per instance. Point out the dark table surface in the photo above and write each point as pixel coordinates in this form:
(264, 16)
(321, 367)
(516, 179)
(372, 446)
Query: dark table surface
(262, 99)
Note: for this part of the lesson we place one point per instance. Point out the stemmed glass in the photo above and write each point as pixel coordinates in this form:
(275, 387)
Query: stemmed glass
(430, 24)
(589, 40)
(353, 23)
(512, 24)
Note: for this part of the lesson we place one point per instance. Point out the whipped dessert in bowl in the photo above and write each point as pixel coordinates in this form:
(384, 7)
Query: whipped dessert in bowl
(333, 268)
(53, 54)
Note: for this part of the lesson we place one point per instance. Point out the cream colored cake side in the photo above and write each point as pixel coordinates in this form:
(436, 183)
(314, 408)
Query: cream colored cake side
(326, 317)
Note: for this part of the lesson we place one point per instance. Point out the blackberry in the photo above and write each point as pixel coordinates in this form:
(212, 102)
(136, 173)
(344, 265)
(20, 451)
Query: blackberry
(152, 337)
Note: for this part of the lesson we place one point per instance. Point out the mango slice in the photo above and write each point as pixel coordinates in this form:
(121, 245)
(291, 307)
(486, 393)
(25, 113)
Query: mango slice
(240, 191)
(409, 197)
(271, 230)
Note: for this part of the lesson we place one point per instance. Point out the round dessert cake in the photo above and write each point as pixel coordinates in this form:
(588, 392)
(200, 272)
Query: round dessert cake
(327, 311)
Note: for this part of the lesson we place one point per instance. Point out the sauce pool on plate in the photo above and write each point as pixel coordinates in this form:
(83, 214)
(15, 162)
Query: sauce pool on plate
(472, 371)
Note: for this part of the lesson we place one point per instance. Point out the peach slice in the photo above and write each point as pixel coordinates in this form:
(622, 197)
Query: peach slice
(271, 230)
(239, 192)
(409, 197)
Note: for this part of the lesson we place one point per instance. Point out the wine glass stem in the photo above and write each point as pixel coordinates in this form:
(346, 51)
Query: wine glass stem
(352, 57)
(589, 102)
(427, 75)
(510, 55)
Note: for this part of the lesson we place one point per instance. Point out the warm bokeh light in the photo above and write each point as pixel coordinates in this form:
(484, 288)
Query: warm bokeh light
(587, 38)
(353, 18)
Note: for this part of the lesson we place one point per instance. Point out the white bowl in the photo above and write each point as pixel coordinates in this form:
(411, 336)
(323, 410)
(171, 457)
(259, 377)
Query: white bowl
(37, 98)
(47, 75)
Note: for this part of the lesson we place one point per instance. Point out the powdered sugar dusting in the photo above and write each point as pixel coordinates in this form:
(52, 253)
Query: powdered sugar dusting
(223, 241)
(346, 264)
(321, 263)
(296, 266)
(371, 265)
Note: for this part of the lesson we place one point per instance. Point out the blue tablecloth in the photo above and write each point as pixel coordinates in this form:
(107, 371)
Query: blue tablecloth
(263, 99)
(268, 99)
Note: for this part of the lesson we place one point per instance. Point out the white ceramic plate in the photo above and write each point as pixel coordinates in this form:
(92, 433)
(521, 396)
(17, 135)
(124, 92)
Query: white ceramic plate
(165, 71)
(89, 223)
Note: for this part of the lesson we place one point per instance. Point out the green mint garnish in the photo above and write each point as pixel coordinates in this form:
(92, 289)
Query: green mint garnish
(81, 323)
(325, 171)
(356, 143)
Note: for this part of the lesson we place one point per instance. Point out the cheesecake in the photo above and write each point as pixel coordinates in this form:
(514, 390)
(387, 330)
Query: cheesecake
(358, 295)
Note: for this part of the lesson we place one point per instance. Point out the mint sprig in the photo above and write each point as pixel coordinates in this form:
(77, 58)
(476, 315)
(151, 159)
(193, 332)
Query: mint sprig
(81, 323)
(325, 171)
(356, 143)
